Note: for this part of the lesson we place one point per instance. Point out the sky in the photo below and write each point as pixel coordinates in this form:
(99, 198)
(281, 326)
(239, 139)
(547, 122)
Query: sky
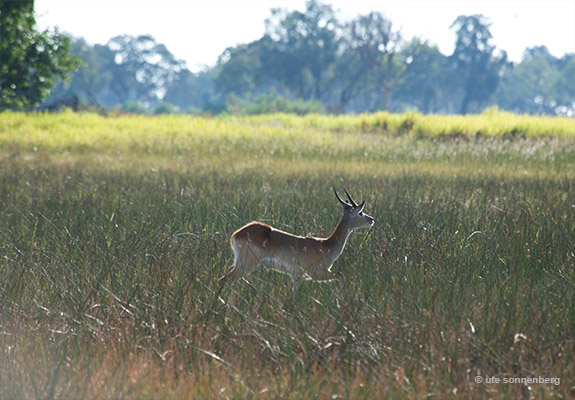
(198, 31)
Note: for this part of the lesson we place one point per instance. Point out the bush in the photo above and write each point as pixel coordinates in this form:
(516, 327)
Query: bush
(273, 104)
(133, 107)
(164, 108)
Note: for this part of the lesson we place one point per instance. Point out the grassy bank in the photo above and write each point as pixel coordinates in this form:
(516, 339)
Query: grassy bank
(114, 231)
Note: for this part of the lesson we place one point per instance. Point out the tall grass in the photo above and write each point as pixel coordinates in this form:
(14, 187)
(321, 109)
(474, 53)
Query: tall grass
(114, 231)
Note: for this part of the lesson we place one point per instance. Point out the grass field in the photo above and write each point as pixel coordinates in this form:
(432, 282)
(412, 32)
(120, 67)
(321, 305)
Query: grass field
(113, 232)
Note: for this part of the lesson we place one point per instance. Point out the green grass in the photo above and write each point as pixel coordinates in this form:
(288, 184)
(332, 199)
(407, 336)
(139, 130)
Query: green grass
(113, 232)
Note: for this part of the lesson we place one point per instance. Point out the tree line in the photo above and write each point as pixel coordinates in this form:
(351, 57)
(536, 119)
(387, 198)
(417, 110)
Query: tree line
(311, 61)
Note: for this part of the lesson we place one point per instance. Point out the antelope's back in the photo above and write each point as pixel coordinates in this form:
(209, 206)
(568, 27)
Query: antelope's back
(254, 232)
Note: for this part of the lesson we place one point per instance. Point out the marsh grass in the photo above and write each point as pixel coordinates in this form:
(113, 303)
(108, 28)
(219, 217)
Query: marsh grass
(114, 231)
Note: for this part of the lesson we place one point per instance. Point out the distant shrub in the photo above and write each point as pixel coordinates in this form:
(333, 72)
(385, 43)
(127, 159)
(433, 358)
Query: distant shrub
(273, 104)
(215, 108)
(133, 107)
(164, 108)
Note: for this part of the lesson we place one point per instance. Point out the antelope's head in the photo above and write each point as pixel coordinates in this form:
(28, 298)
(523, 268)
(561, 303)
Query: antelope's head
(353, 214)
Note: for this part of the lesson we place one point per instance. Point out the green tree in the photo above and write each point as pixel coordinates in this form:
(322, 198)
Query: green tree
(564, 86)
(478, 67)
(130, 71)
(351, 72)
(427, 83)
(299, 49)
(31, 62)
(142, 69)
(190, 91)
(539, 84)
(93, 79)
(352, 79)
(240, 70)
(378, 44)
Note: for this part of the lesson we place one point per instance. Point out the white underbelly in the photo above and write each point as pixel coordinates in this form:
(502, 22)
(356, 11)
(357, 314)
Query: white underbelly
(280, 265)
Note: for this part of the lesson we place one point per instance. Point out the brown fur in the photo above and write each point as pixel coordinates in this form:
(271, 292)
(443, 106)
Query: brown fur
(300, 256)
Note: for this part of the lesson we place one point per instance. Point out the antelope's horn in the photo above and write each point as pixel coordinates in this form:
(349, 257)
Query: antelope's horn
(350, 199)
(345, 204)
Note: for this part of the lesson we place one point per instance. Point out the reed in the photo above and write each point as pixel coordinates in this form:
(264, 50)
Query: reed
(115, 230)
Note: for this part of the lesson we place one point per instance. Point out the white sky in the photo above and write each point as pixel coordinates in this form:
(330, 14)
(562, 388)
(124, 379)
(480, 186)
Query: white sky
(198, 31)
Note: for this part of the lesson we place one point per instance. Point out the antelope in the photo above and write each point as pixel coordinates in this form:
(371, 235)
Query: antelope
(301, 257)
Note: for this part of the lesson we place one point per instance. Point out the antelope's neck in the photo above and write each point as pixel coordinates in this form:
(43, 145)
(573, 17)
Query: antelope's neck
(336, 242)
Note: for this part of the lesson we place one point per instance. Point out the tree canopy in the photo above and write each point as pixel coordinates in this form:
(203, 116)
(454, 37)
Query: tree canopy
(31, 62)
(306, 61)
(477, 67)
